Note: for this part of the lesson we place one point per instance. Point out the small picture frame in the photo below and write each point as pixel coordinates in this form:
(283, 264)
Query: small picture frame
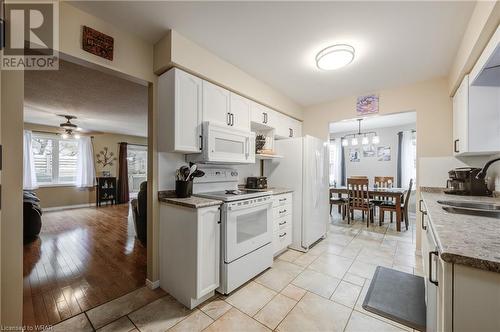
(106, 174)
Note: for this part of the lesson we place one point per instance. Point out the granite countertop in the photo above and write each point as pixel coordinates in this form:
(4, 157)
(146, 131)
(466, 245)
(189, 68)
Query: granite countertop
(194, 202)
(464, 239)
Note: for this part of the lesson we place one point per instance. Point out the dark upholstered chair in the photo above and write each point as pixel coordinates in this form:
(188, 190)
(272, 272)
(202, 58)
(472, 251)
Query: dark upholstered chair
(140, 208)
(32, 216)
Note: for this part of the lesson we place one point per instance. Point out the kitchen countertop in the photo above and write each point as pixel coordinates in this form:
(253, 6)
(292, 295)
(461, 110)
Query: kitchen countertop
(464, 239)
(169, 197)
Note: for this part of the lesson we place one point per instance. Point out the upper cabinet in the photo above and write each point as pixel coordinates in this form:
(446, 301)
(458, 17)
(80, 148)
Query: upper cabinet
(180, 105)
(240, 112)
(216, 104)
(288, 127)
(476, 105)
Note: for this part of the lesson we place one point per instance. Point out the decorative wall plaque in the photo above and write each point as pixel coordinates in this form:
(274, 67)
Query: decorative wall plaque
(97, 43)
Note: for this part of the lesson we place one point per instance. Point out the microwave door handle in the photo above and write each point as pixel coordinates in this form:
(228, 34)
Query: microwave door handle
(247, 148)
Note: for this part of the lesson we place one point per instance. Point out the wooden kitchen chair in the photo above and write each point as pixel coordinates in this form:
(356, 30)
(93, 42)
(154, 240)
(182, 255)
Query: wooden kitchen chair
(341, 202)
(391, 206)
(382, 182)
(359, 199)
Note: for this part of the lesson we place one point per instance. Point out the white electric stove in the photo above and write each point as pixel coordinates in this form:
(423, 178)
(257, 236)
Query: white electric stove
(246, 226)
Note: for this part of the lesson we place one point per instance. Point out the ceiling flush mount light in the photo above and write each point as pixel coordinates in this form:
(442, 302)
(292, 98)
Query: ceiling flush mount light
(335, 57)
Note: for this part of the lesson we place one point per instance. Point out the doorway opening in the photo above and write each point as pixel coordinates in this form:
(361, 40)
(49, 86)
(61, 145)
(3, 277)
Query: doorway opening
(85, 152)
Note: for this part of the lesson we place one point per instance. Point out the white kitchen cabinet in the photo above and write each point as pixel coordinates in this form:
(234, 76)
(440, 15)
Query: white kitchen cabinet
(282, 222)
(288, 127)
(262, 116)
(240, 112)
(476, 120)
(180, 106)
(189, 252)
(216, 104)
(464, 298)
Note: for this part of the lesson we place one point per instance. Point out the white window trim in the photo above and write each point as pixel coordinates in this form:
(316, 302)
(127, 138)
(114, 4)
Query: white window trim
(55, 161)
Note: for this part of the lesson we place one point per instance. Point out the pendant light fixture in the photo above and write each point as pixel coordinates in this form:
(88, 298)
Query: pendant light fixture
(364, 140)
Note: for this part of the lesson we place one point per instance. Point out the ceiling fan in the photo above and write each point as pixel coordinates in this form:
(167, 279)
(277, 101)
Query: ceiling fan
(70, 130)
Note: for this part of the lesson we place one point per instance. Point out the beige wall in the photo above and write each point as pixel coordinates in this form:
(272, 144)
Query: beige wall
(482, 24)
(12, 225)
(60, 196)
(176, 50)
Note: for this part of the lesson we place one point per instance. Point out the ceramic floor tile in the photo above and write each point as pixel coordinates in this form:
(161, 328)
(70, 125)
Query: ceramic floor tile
(274, 312)
(195, 322)
(333, 265)
(363, 323)
(362, 269)
(121, 325)
(293, 292)
(305, 259)
(215, 308)
(110, 311)
(251, 297)
(159, 315)
(354, 279)
(235, 320)
(279, 275)
(79, 323)
(316, 282)
(314, 313)
(346, 294)
(290, 255)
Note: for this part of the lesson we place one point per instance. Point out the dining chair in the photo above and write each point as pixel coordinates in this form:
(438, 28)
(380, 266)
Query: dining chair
(382, 182)
(358, 199)
(391, 206)
(341, 202)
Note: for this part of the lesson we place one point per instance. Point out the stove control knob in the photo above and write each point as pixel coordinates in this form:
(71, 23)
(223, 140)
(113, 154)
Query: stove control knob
(234, 173)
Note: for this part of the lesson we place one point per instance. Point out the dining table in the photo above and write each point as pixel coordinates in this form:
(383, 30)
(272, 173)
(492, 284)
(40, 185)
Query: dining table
(395, 193)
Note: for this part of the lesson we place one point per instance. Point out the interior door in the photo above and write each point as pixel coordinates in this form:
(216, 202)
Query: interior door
(216, 101)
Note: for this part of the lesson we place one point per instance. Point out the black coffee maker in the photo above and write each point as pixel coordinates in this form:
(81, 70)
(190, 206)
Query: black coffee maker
(464, 181)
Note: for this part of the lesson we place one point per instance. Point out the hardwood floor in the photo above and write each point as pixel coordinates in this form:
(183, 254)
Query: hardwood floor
(83, 258)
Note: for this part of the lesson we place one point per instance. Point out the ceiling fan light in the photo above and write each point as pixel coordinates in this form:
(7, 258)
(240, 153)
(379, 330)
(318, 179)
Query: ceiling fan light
(64, 136)
(335, 57)
(375, 139)
(76, 136)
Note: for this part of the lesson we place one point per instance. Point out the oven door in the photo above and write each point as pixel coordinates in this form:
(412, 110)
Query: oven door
(247, 226)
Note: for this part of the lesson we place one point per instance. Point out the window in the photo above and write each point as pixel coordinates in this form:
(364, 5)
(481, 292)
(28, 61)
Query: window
(137, 160)
(55, 159)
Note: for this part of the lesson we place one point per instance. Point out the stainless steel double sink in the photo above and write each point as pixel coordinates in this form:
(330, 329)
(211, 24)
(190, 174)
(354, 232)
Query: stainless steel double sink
(479, 209)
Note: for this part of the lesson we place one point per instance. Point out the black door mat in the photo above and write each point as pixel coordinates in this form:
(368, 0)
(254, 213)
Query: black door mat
(397, 296)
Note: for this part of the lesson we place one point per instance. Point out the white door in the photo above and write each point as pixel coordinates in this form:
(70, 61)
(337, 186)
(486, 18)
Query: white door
(240, 112)
(246, 227)
(460, 117)
(315, 197)
(188, 112)
(216, 104)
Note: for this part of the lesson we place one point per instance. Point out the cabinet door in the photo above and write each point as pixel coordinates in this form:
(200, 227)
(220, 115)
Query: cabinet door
(295, 128)
(240, 112)
(208, 251)
(258, 113)
(281, 126)
(216, 103)
(188, 112)
(460, 118)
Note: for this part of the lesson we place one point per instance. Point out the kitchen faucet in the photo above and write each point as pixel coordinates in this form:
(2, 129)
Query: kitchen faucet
(482, 174)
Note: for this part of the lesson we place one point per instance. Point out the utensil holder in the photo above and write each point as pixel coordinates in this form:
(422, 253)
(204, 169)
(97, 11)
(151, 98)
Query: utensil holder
(183, 189)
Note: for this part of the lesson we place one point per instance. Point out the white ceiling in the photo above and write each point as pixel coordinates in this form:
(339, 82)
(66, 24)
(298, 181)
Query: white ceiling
(374, 122)
(101, 102)
(396, 42)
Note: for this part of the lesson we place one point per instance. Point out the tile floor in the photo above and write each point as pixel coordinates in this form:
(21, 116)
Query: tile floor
(321, 290)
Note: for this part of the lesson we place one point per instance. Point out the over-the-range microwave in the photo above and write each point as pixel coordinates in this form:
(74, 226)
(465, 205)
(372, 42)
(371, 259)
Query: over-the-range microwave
(223, 145)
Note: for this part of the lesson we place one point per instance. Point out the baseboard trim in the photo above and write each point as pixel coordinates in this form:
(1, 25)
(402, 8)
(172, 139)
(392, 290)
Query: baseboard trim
(152, 284)
(67, 207)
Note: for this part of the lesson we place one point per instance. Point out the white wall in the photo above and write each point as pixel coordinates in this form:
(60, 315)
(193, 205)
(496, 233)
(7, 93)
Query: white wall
(371, 166)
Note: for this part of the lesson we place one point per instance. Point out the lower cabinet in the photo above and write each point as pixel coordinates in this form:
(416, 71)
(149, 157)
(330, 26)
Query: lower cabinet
(282, 222)
(459, 298)
(189, 252)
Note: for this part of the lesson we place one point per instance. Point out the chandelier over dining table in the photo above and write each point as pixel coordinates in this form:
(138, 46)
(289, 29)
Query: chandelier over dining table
(365, 137)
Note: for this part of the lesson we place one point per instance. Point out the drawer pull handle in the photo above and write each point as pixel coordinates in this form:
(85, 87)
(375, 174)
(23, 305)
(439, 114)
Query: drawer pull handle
(435, 282)
(282, 199)
(282, 235)
(282, 223)
(283, 211)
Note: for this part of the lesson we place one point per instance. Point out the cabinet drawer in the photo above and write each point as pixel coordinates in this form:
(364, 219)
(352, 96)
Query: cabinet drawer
(282, 239)
(282, 199)
(282, 211)
(282, 223)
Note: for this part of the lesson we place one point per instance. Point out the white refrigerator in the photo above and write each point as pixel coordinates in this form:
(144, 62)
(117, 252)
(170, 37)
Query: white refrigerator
(303, 168)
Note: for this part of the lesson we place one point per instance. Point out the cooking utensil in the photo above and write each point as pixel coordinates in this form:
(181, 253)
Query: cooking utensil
(196, 174)
(191, 171)
(184, 170)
